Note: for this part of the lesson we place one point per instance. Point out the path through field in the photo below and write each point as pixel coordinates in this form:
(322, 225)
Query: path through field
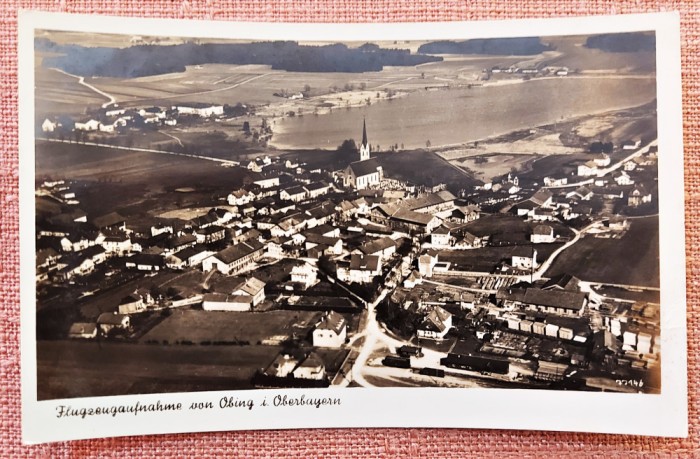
(81, 80)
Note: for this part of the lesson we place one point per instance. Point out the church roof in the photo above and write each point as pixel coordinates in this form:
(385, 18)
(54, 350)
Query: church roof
(366, 167)
(364, 132)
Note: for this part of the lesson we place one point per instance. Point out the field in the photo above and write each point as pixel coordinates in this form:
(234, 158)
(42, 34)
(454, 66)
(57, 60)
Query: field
(631, 260)
(485, 259)
(505, 223)
(199, 326)
(135, 183)
(68, 369)
(411, 167)
(60, 94)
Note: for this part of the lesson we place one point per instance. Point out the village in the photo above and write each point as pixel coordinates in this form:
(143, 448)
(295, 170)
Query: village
(353, 277)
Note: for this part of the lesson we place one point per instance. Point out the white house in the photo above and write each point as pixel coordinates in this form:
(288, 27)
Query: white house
(304, 274)
(524, 258)
(435, 325)
(542, 234)
(87, 125)
(441, 237)
(588, 169)
(201, 110)
(82, 330)
(330, 331)
(48, 125)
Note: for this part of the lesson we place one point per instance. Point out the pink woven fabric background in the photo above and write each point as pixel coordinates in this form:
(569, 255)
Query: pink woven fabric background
(365, 443)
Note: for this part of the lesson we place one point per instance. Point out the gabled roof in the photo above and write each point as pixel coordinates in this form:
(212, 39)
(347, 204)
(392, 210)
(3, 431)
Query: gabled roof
(543, 230)
(364, 262)
(562, 282)
(541, 196)
(377, 245)
(366, 167)
(332, 321)
(436, 320)
(238, 251)
(110, 219)
(109, 318)
(82, 328)
(252, 286)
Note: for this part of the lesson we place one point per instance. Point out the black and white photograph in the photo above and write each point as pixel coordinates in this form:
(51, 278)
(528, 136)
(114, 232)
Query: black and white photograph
(229, 214)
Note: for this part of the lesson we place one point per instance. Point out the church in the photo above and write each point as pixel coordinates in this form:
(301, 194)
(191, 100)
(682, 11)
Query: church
(365, 173)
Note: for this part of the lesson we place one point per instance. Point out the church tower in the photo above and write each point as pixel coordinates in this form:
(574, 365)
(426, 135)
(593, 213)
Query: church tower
(364, 146)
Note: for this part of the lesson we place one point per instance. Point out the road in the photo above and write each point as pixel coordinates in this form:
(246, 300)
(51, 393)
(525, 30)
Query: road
(81, 80)
(143, 150)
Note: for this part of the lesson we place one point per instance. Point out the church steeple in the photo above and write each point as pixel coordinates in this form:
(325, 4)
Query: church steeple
(364, 146)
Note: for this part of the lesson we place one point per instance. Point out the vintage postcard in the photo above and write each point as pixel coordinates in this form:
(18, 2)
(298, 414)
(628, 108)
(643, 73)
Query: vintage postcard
(245, 226)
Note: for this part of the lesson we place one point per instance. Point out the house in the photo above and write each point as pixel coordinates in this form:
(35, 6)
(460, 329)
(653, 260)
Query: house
(254, 288)
(161, 228)
(235, 258)
(542, 198)
(601, 160)
(362, 269)
(554, 301)
(467, 240)
(189, 257)
(210, 234)
(431, 203)
(403, 219)
(295, 193)
(317, 189)
(76, 266)
(583, 193)
(111, 221)
(435, 325)
(464, 214)
(145, 262)
(426, 263)
(618, 223)
(96, 253)
(329, 245)
(74, 242)
(542, 234)
(267, 182)
(622, 178)
(638, 196)
(305, 274)
(108, 321)
(330, 331)
(524, 257)
(200, 109)
(82, 330)
(117, 244)
(87, 125)
(631, 144)
(441, 237)
(588, 169)
(133, 303)
(562, 282)
(240, 197)
(226, 302)
(555, 181)
(383, 247)
(286, 366)
(48, 125)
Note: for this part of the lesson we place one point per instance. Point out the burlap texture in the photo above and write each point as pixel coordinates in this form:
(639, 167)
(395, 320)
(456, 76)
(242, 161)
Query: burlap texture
(370, 443)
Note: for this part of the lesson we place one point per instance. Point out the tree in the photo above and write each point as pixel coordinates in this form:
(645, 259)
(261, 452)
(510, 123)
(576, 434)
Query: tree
(307, 88)
(246, 127)
(348, 146)
(427, 143)
(363, 85)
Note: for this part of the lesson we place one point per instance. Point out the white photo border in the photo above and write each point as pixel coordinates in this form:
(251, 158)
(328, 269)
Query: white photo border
(664, 414)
